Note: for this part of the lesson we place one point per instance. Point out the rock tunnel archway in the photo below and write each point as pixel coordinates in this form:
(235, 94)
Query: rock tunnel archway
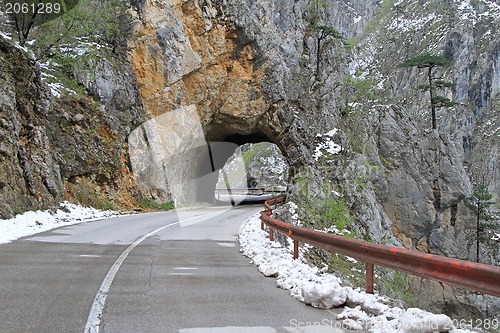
(221, 73)
(175, 157)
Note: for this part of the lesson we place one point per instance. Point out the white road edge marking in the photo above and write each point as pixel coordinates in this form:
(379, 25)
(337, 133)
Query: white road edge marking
(229, 329)
(94, 319)
(226, 244)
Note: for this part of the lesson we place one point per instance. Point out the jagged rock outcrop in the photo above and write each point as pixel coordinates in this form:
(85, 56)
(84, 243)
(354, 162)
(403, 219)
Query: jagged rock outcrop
(29, 176)
(67, 147)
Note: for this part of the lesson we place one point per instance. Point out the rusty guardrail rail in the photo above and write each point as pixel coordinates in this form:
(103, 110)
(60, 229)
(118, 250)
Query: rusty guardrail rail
(255, 191)
(460, 273)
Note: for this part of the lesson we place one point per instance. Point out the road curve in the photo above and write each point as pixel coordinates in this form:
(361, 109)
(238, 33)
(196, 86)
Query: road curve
(160, 272)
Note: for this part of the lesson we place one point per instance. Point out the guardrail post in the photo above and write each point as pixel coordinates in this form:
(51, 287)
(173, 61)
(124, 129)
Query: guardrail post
(295, 249)
(271, 234)
(369, 278)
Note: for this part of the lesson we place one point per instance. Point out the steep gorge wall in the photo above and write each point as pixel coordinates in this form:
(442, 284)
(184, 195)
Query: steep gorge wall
(66, 147)
(239, 63)
(188, 54)
(29, 177)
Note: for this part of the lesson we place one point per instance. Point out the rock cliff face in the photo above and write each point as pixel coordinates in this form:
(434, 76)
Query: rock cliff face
(250, 71)
(29, 176)
(65, 148)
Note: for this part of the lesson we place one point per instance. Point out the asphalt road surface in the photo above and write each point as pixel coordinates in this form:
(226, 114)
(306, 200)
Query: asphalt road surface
(159, 272)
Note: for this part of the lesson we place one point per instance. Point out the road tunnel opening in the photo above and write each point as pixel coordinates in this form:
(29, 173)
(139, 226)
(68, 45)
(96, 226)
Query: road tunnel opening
(176, 157)
(251, 166)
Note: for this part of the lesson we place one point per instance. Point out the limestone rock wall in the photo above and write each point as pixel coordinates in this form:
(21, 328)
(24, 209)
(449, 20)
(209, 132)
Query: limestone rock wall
(29, 177)
(72, 147)
(246, 66)
(428, 174)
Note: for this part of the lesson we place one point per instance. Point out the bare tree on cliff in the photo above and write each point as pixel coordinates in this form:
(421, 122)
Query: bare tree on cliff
(26, 15)
(431, 61)
(24, 22)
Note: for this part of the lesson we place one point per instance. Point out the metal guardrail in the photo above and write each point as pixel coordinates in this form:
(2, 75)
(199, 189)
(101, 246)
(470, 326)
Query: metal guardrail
(460, 273)
(249, 191)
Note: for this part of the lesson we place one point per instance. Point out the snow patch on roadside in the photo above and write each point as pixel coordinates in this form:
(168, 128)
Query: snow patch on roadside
(325, 291)
(34, 222)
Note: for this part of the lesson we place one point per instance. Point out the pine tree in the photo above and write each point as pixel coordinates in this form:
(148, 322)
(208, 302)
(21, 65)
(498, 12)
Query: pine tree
(479, 202)
(430, 61)
(323, 32)
(318, 10)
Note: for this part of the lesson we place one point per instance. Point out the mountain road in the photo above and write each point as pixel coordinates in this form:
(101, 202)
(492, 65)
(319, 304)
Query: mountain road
(177, 271)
